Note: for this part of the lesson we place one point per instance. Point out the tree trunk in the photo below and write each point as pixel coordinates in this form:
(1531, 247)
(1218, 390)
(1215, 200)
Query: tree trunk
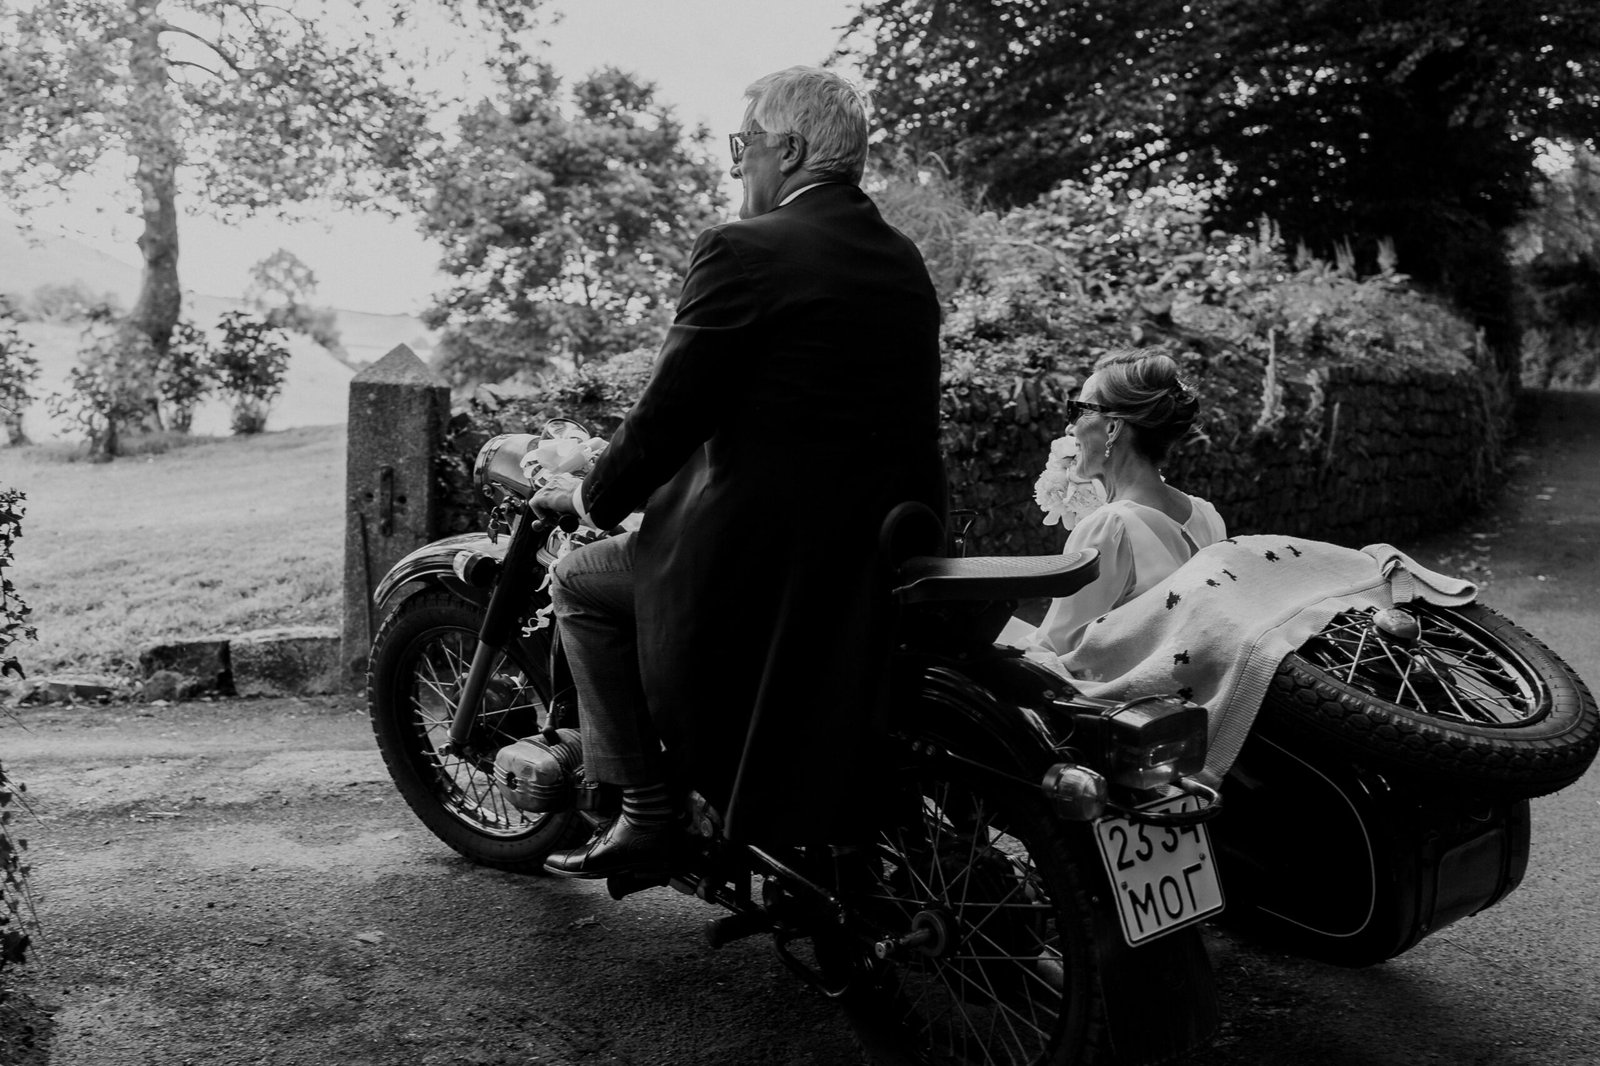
(157, 155)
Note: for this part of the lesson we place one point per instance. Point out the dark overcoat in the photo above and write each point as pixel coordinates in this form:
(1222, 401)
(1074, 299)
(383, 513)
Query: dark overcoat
(795, 401)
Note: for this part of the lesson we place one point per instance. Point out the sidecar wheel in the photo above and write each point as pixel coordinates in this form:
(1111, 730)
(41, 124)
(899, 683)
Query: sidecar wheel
(1470, 699)
(418, 663)
(1007, 973)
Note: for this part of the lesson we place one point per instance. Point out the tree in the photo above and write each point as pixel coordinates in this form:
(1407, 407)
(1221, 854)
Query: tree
(282, 289)
(241, 105)
(567, 229)
(1415, 120)
(249, 363)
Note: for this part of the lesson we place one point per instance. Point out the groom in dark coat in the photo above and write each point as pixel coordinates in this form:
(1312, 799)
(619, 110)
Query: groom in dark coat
(795, 401)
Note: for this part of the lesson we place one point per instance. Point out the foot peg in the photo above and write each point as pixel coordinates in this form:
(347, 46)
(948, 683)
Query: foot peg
(622, 885)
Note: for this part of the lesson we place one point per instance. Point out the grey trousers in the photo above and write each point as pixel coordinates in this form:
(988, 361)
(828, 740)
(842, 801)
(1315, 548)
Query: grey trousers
(592, 589)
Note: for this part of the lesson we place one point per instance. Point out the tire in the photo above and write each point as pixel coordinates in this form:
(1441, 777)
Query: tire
(1010, 975)
(419, 661)
(1472, 701)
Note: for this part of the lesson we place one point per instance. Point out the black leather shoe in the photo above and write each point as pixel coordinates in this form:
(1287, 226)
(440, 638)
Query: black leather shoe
(622, 847)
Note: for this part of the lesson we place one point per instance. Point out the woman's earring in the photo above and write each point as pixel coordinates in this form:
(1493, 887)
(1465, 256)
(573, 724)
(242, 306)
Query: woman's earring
(1108, 449)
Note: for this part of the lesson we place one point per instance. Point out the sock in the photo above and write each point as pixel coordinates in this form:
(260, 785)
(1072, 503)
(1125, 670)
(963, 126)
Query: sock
(648, 804)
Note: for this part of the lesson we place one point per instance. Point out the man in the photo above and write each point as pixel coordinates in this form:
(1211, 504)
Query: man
(793, 404)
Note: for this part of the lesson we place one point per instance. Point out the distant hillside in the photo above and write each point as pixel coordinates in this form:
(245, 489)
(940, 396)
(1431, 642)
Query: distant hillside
(29, 262)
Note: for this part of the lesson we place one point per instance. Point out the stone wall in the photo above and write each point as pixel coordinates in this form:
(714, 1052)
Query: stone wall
(1355, 454)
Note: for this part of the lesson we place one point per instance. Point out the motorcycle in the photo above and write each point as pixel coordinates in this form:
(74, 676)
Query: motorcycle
(1042, 861)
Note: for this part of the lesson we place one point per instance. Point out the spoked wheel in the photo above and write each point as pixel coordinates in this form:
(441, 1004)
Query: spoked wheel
(1460, 694)
(419, 662)
(988, 955)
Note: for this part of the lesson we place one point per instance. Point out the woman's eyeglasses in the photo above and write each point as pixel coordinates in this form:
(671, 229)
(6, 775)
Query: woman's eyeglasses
(1076, 409)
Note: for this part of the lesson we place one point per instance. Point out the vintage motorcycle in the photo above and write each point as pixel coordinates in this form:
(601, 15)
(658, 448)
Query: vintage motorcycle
(1043, 860)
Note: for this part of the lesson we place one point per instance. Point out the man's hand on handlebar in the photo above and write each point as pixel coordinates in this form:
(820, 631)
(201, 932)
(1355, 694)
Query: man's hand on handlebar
(554, 501)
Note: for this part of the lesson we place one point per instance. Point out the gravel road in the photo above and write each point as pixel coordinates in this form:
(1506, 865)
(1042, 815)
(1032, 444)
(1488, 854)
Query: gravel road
(238, 882)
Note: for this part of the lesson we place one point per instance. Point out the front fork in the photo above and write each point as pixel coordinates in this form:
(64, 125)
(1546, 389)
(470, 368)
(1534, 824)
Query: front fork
(513, 592)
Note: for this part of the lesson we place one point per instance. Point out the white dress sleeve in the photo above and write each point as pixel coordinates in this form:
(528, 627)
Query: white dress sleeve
(1063, 623)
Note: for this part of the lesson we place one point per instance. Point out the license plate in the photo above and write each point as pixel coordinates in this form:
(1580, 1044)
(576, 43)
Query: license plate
(1164, 877)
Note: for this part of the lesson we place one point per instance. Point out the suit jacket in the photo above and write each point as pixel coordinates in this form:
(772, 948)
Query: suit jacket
(795, 401)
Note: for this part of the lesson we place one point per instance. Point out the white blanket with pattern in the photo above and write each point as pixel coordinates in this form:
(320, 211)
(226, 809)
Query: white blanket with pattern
(1217, 628)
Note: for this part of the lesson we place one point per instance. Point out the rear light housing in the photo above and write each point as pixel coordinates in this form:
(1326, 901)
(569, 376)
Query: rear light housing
(1147, 743)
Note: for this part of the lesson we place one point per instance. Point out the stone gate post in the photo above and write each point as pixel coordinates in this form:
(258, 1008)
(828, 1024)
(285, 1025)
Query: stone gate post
(398, 412)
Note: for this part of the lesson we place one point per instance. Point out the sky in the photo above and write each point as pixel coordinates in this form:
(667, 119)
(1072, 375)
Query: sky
(700, 53)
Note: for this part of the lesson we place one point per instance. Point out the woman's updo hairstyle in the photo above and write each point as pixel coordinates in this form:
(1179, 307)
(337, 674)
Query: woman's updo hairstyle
(1141, 386)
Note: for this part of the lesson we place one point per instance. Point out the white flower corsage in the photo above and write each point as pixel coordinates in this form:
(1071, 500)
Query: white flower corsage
(1061, 493)
(561, 455)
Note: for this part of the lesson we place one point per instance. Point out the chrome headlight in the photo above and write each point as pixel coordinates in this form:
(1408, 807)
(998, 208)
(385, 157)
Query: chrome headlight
(499, 463)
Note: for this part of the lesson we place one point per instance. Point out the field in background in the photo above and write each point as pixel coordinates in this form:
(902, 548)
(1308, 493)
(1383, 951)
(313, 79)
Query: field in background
(216, 537)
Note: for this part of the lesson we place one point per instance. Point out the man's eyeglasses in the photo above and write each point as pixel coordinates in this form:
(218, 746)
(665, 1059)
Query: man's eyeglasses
(1076, 409)
(738, 142)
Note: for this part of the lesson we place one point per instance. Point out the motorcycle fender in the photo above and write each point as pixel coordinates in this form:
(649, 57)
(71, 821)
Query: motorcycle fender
(1007, 733)
(434, 565)
(1160, 997)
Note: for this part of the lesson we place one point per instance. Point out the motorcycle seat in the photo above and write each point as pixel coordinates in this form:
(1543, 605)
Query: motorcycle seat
(926, 578)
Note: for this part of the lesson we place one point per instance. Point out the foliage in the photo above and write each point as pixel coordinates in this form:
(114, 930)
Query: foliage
(281, 289)
(14, 610)
(249, 362)
(18, 370)
(1057, 284)
(1556, 251)
(184, 375)
(598, 394)
(1416, 122)
(566, 227)
(14, 626)
(112, 388)
(238, 106)
(927, 204)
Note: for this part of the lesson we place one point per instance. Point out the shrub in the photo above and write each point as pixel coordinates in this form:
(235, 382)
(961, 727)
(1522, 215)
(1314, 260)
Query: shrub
(111, 388)
(69, 301)
(14, 626)
(18, 370)
(184, 376)
(249, 361)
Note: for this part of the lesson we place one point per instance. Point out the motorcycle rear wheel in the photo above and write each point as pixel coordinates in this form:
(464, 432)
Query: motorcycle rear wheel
(981, 872)
(418, 664)
(1470, 700)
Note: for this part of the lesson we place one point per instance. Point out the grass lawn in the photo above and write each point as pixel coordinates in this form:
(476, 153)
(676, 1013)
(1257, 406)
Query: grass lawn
(216, 537)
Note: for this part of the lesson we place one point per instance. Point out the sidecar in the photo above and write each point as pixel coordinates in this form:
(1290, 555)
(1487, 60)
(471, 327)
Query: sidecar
(1383, 792)
(1326, 858)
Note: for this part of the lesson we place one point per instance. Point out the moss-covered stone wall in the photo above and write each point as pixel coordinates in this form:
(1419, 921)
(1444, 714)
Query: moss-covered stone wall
(1356, 455)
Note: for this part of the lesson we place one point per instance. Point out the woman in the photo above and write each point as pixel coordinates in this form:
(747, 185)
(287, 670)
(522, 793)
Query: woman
(1127, 417)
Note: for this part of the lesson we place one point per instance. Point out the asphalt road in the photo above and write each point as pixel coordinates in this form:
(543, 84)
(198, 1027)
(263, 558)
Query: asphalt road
(238, 883)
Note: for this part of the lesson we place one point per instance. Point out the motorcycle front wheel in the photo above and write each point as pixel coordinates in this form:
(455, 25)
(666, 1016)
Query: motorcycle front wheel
(977, 882)
(418, 665)
(1458, 695)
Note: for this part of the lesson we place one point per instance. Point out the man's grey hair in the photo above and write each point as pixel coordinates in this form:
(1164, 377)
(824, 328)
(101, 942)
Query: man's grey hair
(825, 109)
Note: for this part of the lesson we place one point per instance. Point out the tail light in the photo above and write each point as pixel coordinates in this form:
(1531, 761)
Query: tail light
(1138, 746)
(1151, 742)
